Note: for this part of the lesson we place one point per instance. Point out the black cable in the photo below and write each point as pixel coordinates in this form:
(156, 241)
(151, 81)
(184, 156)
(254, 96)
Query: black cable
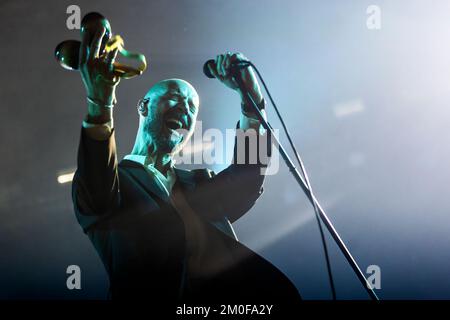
(303, 170)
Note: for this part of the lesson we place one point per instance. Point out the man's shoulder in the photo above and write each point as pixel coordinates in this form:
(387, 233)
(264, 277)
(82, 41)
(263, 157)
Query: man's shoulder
(194, 174)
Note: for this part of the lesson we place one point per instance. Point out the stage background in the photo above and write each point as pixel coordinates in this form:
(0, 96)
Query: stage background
(368, 110)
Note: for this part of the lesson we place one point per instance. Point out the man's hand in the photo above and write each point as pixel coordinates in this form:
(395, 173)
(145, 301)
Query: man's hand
(221, 70)
(99, 80)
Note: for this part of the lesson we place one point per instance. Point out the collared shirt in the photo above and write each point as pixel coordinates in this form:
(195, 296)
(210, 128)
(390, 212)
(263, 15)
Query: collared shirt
(164, 183)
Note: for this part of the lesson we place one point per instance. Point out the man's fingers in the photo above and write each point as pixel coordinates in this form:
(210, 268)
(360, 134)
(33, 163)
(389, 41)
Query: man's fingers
(234, 58)
(111, 57)
(226, 64)
(84, 48)
(222, 65)
(237, 57)
(213, 70)
(219, 65)
(219, 75)
(223, 62)
(96, 42)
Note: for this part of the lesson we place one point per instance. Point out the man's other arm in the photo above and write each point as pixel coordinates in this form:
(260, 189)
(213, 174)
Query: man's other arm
(233, 191)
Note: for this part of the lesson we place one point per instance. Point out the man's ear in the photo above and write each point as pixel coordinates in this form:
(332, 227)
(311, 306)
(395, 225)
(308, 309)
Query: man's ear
(142, 106)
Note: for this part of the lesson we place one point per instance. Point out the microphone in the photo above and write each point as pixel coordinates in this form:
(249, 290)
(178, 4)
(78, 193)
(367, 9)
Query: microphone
(233, 68)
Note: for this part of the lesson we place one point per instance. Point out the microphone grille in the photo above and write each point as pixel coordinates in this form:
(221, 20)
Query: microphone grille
(206, 69)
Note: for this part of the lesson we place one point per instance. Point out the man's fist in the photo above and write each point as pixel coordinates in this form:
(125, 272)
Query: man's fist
(96, 68)
(221, 69)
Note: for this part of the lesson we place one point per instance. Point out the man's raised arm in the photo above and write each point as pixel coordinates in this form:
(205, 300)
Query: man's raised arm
(235, 189)
(95, 184)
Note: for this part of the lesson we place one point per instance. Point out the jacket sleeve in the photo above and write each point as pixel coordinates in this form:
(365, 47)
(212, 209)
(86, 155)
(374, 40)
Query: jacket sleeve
(95, 187)
(234, 190)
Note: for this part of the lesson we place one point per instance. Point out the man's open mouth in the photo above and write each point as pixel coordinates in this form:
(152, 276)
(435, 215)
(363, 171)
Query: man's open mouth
(174, 124)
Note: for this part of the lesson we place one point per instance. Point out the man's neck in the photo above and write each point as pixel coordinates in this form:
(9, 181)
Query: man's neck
(161, 162)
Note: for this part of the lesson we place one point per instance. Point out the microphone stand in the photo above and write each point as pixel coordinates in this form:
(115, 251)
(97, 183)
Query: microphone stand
(307, 190)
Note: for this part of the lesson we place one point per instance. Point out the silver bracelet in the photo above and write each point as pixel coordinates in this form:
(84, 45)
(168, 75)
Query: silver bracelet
(107, 106)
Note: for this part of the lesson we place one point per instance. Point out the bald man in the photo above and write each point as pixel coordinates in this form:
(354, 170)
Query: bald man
(165, 234)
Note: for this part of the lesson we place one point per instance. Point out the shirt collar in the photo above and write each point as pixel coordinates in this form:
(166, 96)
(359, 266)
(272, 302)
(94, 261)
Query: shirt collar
(165, 182)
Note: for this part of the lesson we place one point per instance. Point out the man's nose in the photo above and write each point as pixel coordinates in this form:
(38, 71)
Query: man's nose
(184, 106)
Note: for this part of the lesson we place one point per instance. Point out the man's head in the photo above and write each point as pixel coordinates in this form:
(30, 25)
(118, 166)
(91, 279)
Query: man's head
(168, 115)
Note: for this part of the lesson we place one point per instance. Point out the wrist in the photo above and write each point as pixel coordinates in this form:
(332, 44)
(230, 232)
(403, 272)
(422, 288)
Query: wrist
(102, 102)
(98, 114)
(256, 96)
(247, 107)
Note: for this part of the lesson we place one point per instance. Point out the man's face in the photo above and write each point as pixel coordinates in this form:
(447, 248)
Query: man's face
(172, 114)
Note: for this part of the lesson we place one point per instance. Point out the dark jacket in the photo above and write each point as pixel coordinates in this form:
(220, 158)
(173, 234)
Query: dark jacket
(151, 251)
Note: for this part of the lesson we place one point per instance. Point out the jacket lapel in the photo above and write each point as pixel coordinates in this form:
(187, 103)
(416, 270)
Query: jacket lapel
(145, 178)
(185, 178)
